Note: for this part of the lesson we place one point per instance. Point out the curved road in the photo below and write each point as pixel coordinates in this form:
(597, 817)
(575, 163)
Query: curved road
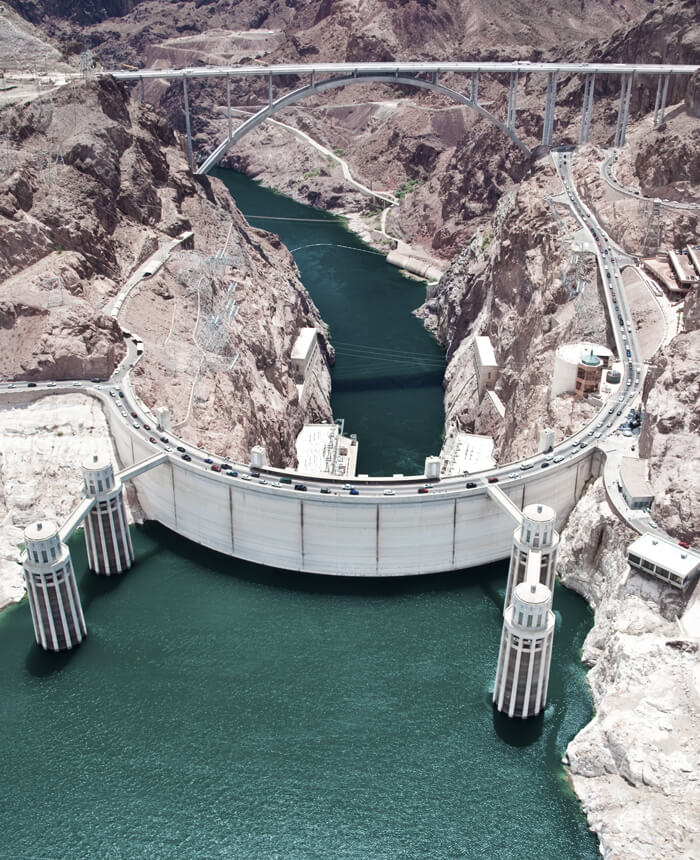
(143, 423)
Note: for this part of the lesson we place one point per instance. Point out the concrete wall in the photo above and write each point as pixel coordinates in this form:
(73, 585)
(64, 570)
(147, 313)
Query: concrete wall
(342, 535)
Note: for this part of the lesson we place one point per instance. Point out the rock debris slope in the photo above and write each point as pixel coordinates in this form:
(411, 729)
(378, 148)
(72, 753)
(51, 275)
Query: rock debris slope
(94, 185)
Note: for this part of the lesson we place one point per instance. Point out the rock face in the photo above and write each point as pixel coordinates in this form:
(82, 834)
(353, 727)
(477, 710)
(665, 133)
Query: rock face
(509, 284)
(217, 332)
(42, 446)
(669, 435)
(634, 766)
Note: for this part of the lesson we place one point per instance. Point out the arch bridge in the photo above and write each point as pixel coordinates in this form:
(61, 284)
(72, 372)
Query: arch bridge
(424, 76)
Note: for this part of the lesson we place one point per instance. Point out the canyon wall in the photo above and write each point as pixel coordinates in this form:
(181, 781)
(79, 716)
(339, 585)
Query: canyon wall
(96, 184)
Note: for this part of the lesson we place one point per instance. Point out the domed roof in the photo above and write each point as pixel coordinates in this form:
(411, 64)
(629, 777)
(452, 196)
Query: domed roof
(590, 359)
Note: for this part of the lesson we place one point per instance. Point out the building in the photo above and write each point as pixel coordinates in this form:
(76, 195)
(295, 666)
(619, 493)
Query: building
(463, 453)
(588, 375)
(485, 363)
(664, 559)
(568, 361)
(636, 489)
(525, 654)
(683, 269)
(107, 535)
(54, 602)
(304, 353)
(536, 534)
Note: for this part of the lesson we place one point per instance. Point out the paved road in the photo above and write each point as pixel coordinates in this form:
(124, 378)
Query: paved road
(118, 395)
(606, 171)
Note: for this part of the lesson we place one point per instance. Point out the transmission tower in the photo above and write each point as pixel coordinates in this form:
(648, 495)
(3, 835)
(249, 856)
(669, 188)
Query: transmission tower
(87, 64)
(652, 237)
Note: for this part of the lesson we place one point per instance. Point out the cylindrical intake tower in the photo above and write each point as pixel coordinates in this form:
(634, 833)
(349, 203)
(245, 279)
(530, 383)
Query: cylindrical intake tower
(536, 532)
(107, 535)
(526, 652)
(54, 601)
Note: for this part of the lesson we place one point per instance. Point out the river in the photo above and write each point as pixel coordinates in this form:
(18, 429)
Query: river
(222, 709)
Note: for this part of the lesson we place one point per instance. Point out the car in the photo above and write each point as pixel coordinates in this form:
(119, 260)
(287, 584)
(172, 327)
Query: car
(164, 439)
(232, 473)
(611, 410)
(208, 460)
(301, 487)
(558, 459)
(590, 433)
(276, 484)
(254, 473)
(260, 480)
(246, 478)
(653, 524)
(392, 493)
(512, 475)
(525, 466)
(325, 490)
(11, 385)
(186, 457)
(31, 385)
(215, 467)
(607, 274)
(121, 393)
(136, 425)
(598, 435)
(347, 487)
(493, 479)
(112, 392)
(118, 402)
(471, 485)
(423, 489)
(168, 448)
(124, 415)
(684, 544)
(152, 440)
(583, 443)
(181, 449)
(354, 491)
(134, 415)
(51, 384)
(285, 480)
(545, 465)
(146, 426)
(619, 411)
(629, 354)
(77, 384)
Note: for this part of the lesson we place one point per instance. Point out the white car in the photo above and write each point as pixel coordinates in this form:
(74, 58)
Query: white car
(389, 493)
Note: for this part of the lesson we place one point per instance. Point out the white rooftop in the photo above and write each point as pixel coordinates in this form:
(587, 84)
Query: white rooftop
(484, 351)
(573, 352)
(532, 592)
(666, 553)
(466, 452)
(41, 530)
(321, 450)
(539, 513)
(303, 343)
(633, 472)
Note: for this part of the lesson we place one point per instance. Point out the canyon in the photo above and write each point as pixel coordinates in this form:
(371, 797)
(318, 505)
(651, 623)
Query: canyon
(73, 232)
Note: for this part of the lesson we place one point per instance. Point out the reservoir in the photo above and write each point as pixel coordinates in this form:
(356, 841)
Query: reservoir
(221, 709)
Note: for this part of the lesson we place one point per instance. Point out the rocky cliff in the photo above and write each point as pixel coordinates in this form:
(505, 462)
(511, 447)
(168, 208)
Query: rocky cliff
(95, 184)
(634, 766)
(514, 284)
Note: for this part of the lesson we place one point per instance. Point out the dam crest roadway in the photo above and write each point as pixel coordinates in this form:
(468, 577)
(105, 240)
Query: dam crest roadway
(386, 526)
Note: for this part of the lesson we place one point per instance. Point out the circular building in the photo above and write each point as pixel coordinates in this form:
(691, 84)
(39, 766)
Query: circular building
(568, 360)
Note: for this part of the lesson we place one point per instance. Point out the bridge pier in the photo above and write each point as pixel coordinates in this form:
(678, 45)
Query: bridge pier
(587, 109)
(475, 87)
(623, 110)
(107, 536)
(190, 157)
(661, 96)
(228, 107)
(549, 105)
(512, 101)
(54, 602)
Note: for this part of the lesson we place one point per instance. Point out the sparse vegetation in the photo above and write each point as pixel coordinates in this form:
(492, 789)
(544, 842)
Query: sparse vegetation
(408, 186)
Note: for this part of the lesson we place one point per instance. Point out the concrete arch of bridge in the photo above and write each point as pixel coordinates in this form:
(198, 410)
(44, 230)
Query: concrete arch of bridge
(332, 83)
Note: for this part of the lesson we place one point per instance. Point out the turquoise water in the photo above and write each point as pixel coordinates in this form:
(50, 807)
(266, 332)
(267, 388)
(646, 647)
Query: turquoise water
(387, 379)
(221, 709)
